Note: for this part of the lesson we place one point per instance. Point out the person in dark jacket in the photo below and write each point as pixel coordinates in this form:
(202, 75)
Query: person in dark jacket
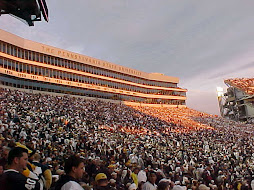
(13, 179)
(74, 169)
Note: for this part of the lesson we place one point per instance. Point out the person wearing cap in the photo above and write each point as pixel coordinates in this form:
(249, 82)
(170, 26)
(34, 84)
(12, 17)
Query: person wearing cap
(74, 169)
(101, 182)
(13, 179)
(29, 170)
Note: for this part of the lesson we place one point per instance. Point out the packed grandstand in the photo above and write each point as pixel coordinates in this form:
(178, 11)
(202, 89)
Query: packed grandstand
(154, 136)
(245, 84)
(186, 148)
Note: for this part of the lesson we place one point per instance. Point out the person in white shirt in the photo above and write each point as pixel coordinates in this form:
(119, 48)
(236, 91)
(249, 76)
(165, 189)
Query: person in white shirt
(150, 184)
(74, 169)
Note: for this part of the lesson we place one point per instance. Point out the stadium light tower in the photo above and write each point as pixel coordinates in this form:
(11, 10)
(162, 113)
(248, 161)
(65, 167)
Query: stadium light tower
(25, 10)
(220, 96)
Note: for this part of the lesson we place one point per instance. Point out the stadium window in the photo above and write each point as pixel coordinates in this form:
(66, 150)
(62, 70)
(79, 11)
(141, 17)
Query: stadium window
(4, 47)
(22, 53)
(43, 71)
(18, 53)
(64, 63)
(32, 56)
(1, 62)
(32, 69)
(14, 51)
(7, 49)
(46, 72)
(35, 70)
(29, 55)
(70, 66)
(91, 70)
(60, 62)
(25, 54)
(51, 60)
(5, 63)
(88, 69)
(24, 68)
(28, 69)
(36, 57)
(73, 65)
(16, 66)
(9, 64)
(64, 76)
(45, 59)
(56, 61)
(39, 71)
(54, 73)
(49, 73)
(59, 74)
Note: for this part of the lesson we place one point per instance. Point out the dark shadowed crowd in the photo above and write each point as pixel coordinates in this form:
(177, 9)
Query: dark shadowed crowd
(64, 142)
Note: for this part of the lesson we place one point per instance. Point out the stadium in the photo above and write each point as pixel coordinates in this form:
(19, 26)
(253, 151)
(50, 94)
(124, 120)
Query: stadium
(120, 128)
(238, 102)
(27, 64)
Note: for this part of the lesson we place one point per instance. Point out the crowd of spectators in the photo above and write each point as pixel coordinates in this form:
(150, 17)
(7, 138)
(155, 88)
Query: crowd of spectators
(245, 84)
(125, 147)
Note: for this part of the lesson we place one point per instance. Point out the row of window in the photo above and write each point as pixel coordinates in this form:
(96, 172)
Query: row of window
(27, 84)
(52, 73)
(39, 57)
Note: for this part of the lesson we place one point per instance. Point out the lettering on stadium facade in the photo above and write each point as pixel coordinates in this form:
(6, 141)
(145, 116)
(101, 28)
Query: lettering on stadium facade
(90, 60)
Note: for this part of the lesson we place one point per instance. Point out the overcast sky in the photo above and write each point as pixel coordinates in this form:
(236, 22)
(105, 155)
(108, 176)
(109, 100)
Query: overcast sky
(202, 42)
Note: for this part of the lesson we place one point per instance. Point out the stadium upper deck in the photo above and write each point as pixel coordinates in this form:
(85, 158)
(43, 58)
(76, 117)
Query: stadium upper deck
(238, 102)
(245, 84)
(28, 64)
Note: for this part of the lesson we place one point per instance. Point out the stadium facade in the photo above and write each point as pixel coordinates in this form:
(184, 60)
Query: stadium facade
(238, 102)
(30, 65)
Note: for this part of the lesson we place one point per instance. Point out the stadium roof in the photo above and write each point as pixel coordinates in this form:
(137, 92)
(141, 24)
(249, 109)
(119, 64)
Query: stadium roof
(25, 10)
(244, 84)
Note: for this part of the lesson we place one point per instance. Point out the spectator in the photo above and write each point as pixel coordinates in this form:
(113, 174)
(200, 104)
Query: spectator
(150, 184)
(43, 172)
(102, 182)
(74, 169)
(12, 179)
